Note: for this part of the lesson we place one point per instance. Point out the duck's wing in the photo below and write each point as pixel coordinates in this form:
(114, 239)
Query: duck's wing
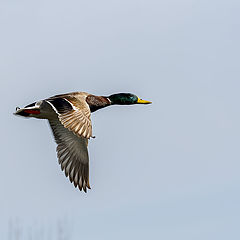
(72, 154)
(74, 113)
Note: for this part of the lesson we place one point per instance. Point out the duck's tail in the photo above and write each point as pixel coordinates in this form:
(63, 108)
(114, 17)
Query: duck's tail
(28, 111)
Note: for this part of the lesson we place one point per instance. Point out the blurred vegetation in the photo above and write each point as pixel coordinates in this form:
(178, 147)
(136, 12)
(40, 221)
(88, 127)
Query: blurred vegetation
(18, 230)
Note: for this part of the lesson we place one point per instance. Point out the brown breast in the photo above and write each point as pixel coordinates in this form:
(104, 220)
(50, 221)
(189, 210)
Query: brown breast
(97, 102)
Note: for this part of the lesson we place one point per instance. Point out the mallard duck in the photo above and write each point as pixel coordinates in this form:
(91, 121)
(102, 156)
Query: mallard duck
(69, 118)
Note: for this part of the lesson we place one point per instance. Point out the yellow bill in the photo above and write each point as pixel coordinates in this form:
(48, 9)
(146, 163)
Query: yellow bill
(141, 101)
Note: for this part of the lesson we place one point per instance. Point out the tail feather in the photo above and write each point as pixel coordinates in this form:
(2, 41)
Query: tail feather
(28, 110)
(21, 112)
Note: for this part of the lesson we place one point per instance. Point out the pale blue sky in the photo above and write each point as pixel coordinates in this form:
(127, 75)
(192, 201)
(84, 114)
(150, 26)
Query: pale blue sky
(169, 170)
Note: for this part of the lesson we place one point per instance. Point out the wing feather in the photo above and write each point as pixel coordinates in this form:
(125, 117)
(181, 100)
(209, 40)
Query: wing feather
(74, 113)
(72, 154)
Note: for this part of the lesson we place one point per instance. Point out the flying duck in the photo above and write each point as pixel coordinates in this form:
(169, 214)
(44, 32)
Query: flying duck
(69, 118)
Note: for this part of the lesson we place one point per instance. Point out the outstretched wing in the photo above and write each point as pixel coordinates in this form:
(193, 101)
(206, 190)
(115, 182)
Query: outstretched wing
(74, 113)
(72, 155)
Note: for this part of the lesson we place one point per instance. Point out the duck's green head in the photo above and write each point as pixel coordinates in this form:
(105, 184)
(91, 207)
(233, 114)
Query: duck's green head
(126, 99)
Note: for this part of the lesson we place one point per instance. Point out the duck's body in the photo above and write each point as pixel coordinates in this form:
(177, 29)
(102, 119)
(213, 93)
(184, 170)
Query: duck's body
(69, 118)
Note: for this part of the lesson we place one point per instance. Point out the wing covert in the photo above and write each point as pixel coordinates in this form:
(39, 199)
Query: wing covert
(74, 113)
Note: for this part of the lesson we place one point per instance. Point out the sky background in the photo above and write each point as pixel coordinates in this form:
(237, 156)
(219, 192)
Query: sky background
(169, 170)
